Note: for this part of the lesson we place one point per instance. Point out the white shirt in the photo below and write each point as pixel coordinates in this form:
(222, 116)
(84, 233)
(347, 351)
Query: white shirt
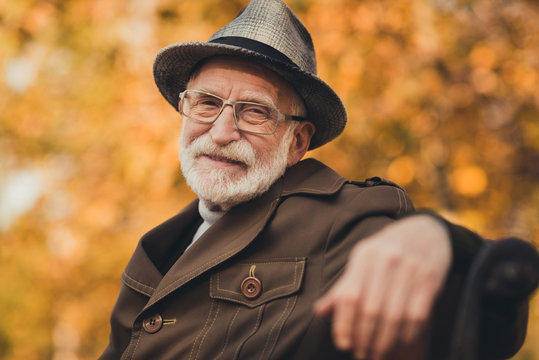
(210, 217)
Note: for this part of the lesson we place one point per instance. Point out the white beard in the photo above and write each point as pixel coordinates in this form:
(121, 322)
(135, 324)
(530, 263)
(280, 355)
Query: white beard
(226, 188)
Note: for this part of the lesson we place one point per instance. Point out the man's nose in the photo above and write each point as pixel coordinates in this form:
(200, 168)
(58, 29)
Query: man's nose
(224, 130)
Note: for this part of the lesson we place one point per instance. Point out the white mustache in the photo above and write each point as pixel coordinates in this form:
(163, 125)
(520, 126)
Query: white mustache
(237, 151)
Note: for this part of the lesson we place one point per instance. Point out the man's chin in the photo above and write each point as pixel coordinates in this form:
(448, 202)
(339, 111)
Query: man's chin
(225, 175)
(224, 188)
(223, 196)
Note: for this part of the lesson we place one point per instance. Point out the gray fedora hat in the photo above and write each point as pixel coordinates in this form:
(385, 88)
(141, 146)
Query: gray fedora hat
(268, 32)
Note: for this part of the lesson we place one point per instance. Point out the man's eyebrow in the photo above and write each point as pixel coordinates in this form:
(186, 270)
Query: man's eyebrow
(248, 96)
(256, 97)
(207, 90)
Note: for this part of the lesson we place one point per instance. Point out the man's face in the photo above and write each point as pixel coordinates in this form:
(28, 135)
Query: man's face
(222, 164)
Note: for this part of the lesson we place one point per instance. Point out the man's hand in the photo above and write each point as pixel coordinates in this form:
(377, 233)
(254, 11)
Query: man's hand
(388, 287)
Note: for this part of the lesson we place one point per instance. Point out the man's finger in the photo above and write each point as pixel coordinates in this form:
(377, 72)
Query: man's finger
(393, 316)
(416, 314)
(372, 309)
(325, 305)
(344, 317)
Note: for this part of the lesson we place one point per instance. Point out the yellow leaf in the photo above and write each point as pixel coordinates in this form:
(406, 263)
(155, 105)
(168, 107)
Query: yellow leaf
(469, 180)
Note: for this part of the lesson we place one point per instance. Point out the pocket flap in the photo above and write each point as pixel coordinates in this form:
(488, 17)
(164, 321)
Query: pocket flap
(276, 278)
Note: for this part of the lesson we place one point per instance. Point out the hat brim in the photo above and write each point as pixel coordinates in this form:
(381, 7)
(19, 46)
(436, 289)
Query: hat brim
(174, 64)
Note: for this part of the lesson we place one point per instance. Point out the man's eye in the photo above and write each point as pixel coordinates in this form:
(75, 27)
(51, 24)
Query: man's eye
(256, 110)
(208, 102)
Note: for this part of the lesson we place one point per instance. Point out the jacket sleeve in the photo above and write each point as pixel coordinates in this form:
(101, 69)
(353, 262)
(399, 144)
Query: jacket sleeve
(502, 322)
(465, 245)
(363, 211)
(502, 325)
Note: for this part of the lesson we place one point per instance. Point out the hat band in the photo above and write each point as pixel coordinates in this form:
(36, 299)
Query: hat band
(255, 46)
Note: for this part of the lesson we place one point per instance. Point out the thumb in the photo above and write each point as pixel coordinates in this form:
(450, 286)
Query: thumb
(324, 305)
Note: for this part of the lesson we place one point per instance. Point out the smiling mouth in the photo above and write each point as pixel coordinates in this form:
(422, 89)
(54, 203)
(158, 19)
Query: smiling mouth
(224, 159)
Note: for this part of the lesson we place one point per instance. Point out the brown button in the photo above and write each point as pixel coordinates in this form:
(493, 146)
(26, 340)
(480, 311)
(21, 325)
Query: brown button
(251, 287)
(153, 324)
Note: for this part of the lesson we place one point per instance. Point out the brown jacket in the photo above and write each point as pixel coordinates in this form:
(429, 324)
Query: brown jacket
(294, 240)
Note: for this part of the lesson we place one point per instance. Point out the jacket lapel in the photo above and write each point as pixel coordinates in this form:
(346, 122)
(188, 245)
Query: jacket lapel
(141, 274)
(220, 242)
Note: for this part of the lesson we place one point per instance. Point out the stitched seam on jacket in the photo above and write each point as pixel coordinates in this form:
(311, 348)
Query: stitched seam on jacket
(138, 286)
(292, 284)
(227, 336)
(132, 356)
(316, 190)
(136, 345)
(255, 328)
(252, 303)
(406, 203)
(194, 271)
(279, 260)
(274, 332)
(402, 202)
(207, 331)
(212, 305)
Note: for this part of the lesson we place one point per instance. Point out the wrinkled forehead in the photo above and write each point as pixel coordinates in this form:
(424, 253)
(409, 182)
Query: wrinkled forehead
(247, 67)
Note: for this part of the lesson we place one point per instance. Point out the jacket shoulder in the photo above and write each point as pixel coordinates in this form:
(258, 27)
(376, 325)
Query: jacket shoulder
(379, 196)
(376, 181)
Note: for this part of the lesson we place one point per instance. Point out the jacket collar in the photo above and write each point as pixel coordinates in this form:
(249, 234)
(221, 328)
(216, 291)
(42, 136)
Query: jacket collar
(310, 176)
(222, 241)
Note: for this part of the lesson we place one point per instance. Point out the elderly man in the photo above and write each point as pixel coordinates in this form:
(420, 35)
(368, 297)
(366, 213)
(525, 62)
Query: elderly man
(277, 258)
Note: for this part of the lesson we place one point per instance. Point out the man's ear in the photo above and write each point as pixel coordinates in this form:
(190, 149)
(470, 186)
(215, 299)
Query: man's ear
(300, 144)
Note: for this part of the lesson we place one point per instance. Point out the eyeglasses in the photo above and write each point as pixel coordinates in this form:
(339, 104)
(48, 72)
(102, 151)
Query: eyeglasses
(248, 116)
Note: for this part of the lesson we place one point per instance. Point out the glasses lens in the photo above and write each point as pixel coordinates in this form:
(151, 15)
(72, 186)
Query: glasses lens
(200, 106)
(252, 117)
(256, 118)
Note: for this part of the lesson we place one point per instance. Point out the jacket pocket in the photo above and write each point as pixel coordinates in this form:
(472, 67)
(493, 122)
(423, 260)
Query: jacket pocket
(255, 282)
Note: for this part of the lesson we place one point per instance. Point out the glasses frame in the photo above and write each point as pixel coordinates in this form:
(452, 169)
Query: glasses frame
(280, 115)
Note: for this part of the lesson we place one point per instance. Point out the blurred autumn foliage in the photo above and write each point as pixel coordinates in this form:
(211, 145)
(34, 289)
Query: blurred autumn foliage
(443, 98)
